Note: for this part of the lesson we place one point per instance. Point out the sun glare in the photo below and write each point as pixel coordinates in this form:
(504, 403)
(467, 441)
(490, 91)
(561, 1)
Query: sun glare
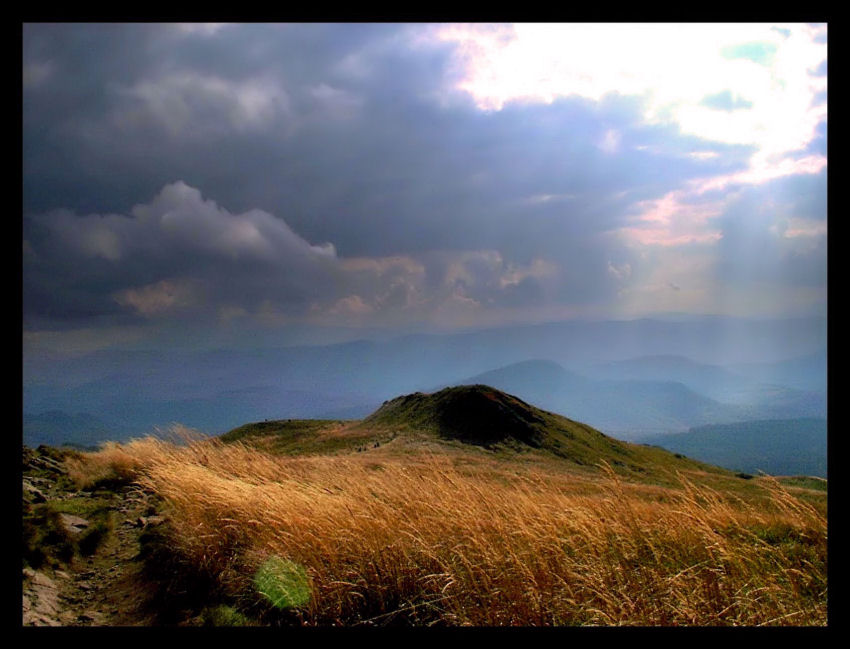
(767, 72)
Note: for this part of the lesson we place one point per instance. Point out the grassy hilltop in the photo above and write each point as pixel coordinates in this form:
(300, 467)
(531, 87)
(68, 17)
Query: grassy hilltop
(467, 420)
(467, 507)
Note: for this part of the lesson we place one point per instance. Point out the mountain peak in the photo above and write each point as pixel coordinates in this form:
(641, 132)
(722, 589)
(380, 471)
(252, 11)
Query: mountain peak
(477, 414)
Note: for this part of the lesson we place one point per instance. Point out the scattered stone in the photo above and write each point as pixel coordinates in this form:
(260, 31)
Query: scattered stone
(32, 493)
(74, 524)
(144, 521)
(47, 463)
(42, 580)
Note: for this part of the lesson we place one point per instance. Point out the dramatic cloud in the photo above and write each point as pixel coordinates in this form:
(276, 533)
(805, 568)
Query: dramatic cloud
(176, 252)
(388, 175)
(184, 256)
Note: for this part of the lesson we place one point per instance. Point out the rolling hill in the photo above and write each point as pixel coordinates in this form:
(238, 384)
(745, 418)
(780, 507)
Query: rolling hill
(58, 428)
(464, 418)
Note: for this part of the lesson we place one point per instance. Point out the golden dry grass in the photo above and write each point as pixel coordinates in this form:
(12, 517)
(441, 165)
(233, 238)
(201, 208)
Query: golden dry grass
(426, 540)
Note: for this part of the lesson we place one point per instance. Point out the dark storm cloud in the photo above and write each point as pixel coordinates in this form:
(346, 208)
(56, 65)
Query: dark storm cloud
(176, 252)
(238, 115)
(307, 134)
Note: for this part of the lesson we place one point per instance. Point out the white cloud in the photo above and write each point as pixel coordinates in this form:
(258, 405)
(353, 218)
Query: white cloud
(180, 217)
(672, 67)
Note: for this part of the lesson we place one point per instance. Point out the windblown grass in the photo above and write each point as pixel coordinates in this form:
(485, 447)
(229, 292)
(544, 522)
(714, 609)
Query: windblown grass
(424, 540)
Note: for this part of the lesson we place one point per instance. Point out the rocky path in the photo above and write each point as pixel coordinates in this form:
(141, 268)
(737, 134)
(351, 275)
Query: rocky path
(105, 588)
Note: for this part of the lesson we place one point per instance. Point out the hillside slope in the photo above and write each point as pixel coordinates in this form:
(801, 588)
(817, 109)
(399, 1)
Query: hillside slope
(466, 419)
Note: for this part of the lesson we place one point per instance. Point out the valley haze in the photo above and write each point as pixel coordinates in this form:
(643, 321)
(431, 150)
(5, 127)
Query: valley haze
(618, 379)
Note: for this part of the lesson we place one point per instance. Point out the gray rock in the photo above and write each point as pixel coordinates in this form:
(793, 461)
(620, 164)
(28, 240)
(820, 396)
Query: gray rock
(32, 493)
(74, 524)
(48, 463)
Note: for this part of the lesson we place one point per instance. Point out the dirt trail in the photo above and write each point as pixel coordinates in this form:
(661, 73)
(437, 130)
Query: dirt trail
(107, 587)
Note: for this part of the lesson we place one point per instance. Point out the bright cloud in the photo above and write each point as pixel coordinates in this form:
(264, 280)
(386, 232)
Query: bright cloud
(737, 84)
(468, 173)
(674, 67)
(682, 73)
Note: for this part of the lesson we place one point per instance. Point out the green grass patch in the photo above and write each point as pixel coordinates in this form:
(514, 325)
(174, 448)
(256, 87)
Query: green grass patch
(83, 506)
(283, 582)
(805, 482)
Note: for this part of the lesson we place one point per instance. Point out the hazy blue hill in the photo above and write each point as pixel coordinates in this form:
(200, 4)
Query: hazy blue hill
(711, 380)
(541, 378)
(56, 427)
(807, 372)
(625, 408)
(765, 400)
(778, 446)
(214, 389)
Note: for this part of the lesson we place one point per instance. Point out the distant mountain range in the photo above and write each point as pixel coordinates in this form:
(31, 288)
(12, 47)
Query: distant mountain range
(57, 428)
(646, 402)
(777, 447)
(628, 378)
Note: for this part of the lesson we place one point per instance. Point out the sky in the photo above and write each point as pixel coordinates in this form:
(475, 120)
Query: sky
(203, 178)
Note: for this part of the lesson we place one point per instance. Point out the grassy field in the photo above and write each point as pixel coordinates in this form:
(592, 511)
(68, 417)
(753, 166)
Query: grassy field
(458, 536)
